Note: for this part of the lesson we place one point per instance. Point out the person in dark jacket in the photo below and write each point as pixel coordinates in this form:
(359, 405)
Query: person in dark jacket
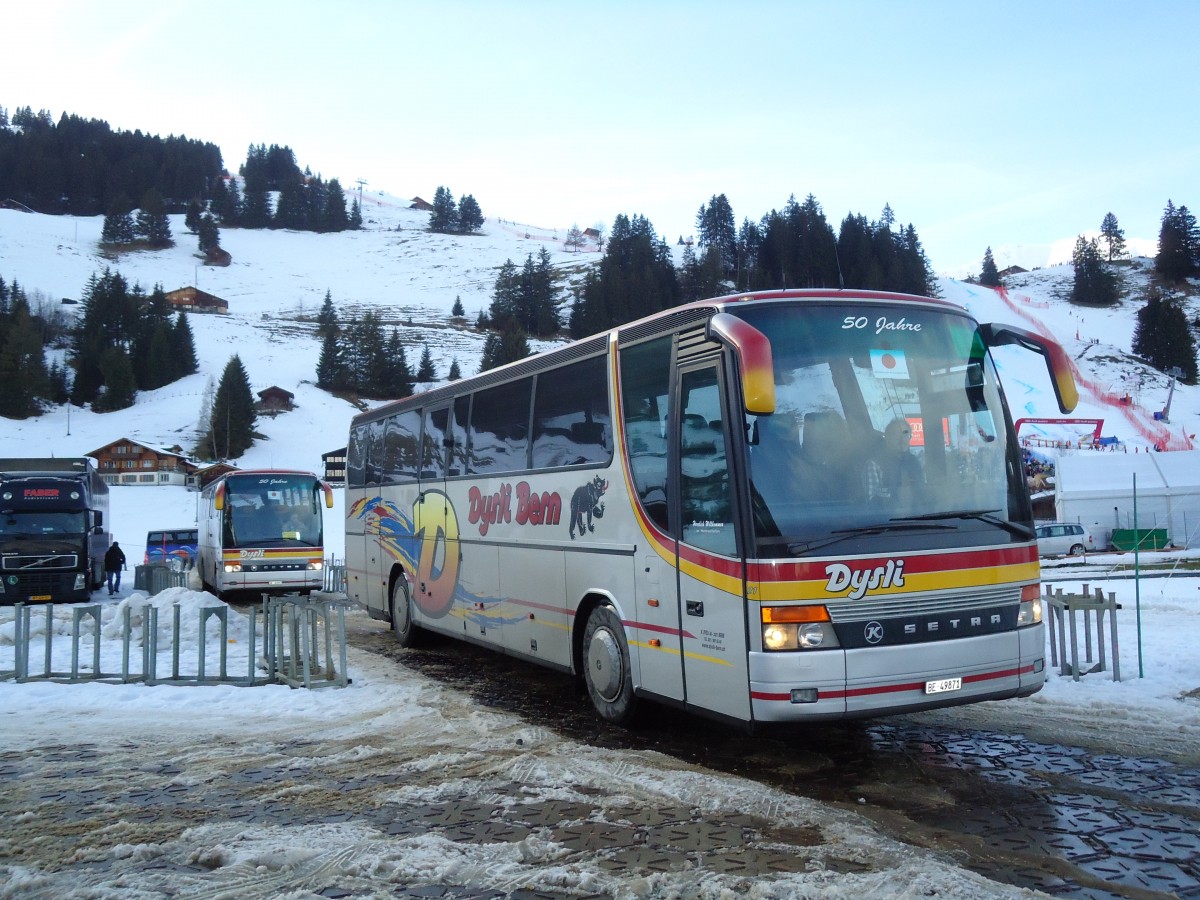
(114, 562)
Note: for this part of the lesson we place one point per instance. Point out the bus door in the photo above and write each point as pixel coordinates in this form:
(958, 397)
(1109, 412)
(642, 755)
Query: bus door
(711, 572)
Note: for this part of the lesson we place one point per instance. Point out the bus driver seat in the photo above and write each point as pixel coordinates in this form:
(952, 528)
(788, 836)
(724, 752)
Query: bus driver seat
(826, 451)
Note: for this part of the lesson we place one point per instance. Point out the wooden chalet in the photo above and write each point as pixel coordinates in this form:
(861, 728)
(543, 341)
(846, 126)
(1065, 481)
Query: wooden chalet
(206, 475)
(127, 461)
(274, 400)
(192, 299)
(335, 466)
(423, 205)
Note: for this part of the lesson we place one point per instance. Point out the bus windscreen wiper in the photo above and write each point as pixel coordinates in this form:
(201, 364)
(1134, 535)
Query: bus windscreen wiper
(842, 534)
(982, 515)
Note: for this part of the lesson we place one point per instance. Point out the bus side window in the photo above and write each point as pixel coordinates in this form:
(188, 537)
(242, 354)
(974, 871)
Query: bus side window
(705, 491)
(500, 428)
(645, 387)
(433, 443)
(571, 424)
(373, 467)
(401, 447)
(356, 457)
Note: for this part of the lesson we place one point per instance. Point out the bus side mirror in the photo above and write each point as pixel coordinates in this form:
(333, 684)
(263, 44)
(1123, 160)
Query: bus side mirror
(328, 495)
(219, 498)
(755, 364)
(1057, 362)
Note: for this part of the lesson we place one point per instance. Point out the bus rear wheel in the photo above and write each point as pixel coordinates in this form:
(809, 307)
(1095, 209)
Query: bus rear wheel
(405, 629)
(606, 666)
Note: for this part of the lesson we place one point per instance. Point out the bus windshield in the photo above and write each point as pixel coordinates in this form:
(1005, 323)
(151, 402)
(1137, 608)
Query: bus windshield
(889, 423)
(277, 510)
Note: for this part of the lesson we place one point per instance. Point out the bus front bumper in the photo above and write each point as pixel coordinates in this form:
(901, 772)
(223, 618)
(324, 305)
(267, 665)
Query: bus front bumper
(830, 684)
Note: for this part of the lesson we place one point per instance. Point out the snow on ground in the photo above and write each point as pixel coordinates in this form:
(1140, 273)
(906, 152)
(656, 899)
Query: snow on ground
(276, 283)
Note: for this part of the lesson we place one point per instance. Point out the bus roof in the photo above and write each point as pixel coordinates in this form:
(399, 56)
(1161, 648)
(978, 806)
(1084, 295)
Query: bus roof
(676, 316)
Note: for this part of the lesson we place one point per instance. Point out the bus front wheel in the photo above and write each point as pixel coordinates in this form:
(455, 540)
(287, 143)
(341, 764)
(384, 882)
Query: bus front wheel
(403, 626)
(606, 666)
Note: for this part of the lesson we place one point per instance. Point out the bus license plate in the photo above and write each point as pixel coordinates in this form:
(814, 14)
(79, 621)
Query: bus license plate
(942, 686)
(39, 598)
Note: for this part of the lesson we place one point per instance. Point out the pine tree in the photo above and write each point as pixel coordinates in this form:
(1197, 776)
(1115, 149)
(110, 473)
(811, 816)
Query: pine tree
(1163, 338)
(715, 227)
(227, 203)
(636, 277)
(506, 295)
(209, 233)
(329, 362)
(120, 386)
(989, 276)
(183, 348)
(191, 219)
(22, 362)
(457, 310)
(333, 208)
(455, 372)
(1113, 237)
(426, 373)
(1178, 254)
(118, 223)
(356, 219)
(470, 216)
(443, 219)
(327, 318)
(152, 222)
(232, 416)
(398, 379)
(1094, 284)
(574, 239)
(255, 209)
(507, 345)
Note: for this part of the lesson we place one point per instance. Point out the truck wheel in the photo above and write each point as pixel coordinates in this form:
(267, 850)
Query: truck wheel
(406, 630)
(606, 666)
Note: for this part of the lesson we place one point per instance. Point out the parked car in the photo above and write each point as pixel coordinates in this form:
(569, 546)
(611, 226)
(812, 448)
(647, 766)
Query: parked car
(1064, 539)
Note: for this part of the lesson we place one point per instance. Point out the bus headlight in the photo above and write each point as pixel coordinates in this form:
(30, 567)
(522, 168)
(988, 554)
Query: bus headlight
(797, 628)
(232, 568)
(779, 637)
(1031, 606)
(315, 566)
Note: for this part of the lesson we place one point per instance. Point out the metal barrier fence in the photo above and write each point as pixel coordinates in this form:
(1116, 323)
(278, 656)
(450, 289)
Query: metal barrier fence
(157, 578)
(303, 641)
(335, 577)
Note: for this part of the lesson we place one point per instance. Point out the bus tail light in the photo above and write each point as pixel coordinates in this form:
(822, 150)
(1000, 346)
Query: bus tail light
(1031, 605)
(797, 628)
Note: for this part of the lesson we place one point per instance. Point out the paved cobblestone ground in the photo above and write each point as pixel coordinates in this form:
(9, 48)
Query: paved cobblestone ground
(382, 814)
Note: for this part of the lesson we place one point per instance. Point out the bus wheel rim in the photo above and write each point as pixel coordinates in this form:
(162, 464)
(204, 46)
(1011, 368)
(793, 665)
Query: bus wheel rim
(604, 664)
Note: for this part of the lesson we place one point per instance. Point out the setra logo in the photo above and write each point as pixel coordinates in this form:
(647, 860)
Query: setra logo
(859, 581)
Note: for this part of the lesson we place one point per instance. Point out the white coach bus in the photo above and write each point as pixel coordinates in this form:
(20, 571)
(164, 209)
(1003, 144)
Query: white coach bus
(771, 507)
(263, 531)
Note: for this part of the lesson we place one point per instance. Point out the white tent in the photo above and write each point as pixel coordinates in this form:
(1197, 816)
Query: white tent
(1096, 489)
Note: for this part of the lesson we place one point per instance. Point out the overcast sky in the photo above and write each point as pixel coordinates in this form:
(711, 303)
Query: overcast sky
(1014, 125)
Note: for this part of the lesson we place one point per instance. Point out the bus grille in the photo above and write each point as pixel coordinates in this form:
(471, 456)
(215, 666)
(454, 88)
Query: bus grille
(947, 602)
(275, 567)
